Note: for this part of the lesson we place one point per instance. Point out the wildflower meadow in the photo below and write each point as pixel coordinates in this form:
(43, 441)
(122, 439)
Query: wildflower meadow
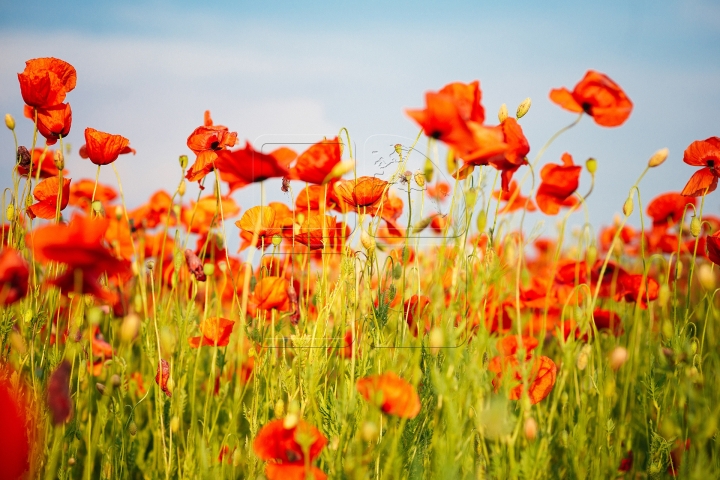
(404, 323)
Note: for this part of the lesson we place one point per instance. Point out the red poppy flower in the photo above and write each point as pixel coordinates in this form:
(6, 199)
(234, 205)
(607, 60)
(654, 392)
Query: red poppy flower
(559, 182)
(15, 445)
(542, 376)
(58, 394)
(205, 142)
(14, 274)
(607, 320)
(703, 153)
(317, 230)
(81, 193)
(46, 193)
(315, 163)
(104, 148)
(215, 331)
(54, 122)
(156, 210)
(416, 312)
(293, 471)
(667, 209)
(46, 81)
(245, 166)
(712, 243)
(162, 376)
(598, 96)
(509, 346)
(365, 193)
(635, 289)
(42, 159)
(285, 445)
(391, 393)
(515, 200)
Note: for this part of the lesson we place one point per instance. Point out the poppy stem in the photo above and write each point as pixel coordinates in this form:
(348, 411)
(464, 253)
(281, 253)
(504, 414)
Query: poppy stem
(97, 179)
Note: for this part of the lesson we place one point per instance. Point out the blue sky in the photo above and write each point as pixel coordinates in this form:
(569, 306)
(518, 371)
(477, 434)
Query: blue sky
(292, 72)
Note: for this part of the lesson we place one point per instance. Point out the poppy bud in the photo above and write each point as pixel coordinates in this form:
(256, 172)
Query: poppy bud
(367, 241)
(10, 212)
(183, 161)
(277, 240)
(71, 461)
(115, 380)
(583, 357)
(398, 149)
(428, 170)
(22, 156)
(628, 207)
(531, 428)
(100, 388)
(59, 159)
(209, 269)
(451, 161)
(695, 225)
(591, 254)
(118, 212)
(523, 108)
(9, 121)
(618, 357)
(658, 158)
(279, 409)
(195, 265)
(419, 179)
(436, 340)
(369, 432)
(591, 165)
(94, 315)
(503, 113)
(481, 221)
(181, 188)
(174, 424)
(706, 276)
(663, 295)
(290, 421)
(132, 428)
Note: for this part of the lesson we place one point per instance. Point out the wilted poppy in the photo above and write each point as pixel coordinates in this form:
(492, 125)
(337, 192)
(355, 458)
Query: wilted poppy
(215, 331)
(391, 393)
(46, 194)
(46, 81)
(276, 442)
(559, 182)
(315, 163)
(163, 376)
(14, 274)
(245, 166)
(598, 96)
(104, 148)
(58, 393)
(54, 122)
(703, 153)
(205, 142)
(42, 159)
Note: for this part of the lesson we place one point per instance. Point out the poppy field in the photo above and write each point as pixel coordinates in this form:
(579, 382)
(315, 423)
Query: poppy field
(408, 323)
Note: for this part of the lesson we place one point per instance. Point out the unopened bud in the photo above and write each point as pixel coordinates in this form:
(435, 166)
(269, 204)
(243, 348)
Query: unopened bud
(428, 170)
(174, 424)
(591, 254)
(369, 431)
(531, 428)
(118, 212)
(628, 207)
(663, 295)
(209, 269)
(451, 160)
(695, 226)
(59, 159)
(523, 108)
(290, 421)
(132, 428)
(9, 121)
(279, 409)
(591, 165)
(150, 265)
(658, 158)
(502, 113)
(583, 357)
(115, 380)
(236, 458)
(419, 179)
(100, 388)
(183, 161)
(71, 461)
(481, 221)
(181, 188)
(436, 340)
(10, 212)
(367, 241)
(277, 239)
(706, 276)
(618, 357)
(129, 327)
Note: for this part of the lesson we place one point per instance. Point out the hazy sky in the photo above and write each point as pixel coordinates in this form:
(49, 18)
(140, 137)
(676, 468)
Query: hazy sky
(272, 70)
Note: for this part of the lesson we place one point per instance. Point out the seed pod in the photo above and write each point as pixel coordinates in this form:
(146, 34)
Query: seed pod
(9, 121)
(695, 226)
(591, 165)
(658, 158)
(523, 108)
(503, 113)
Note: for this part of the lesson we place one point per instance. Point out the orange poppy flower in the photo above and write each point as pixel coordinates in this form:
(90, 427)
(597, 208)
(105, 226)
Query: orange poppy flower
(104, 148)
(293, 471)
(703, 153)
(558, 184)
(280, 444)
(542, 376)
(365, 193)
(215, 331)
(54, 122)
(119, 237)
(315, 163)
(42, 159)
(207, 214)
(46, 194)
(310, 232)
(510, 345)
(14, 274)
(627, 235)
(205, 142)
(262, 219)
(156, 210)
(46, 81)
(416, 312)
(313, 197)
(391, 393)
(245, 166)
(271, 292)
(667, 209)
(81, 193)
(515, 203)
(598, 96)
(162, 376)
